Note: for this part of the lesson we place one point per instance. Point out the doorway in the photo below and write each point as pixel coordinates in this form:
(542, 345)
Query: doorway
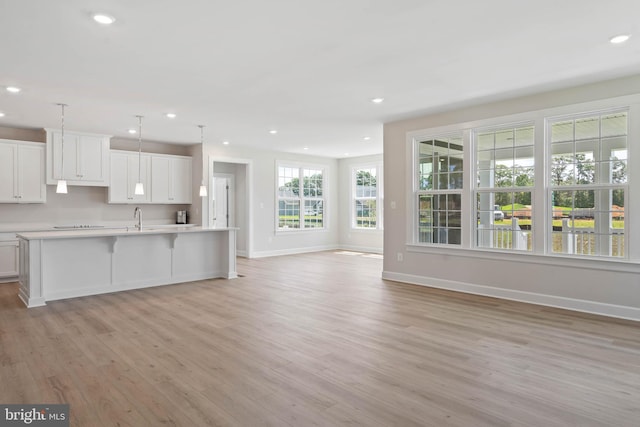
(229, 203)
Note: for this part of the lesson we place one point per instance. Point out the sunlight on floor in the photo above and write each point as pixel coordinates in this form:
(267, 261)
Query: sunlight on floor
(362, 254)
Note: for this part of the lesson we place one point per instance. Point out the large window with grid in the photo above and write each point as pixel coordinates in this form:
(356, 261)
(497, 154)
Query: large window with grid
(366, 212)
(300, 198)
(504, 187)
(438, 190)
(588, 183)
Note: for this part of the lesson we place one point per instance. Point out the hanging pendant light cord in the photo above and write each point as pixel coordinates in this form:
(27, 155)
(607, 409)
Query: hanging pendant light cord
(139, 148)
(62, 137)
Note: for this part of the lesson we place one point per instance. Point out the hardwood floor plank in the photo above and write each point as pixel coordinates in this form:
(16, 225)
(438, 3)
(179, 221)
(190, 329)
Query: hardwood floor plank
(317, 339)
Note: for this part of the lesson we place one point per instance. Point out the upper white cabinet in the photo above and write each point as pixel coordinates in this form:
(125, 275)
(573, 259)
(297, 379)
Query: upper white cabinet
(22, 172)
(124, 176)
(86, 158)
(170, 179)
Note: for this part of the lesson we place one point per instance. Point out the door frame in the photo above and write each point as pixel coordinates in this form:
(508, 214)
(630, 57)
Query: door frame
(247, 221)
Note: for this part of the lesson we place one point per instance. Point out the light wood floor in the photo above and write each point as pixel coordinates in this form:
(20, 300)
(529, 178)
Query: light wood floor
(317, 339)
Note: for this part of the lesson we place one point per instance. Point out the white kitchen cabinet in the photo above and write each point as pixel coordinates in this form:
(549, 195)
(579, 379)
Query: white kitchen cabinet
(8, 258)
(22, 172)
(86, 158)
(124, 176)
(171, 179)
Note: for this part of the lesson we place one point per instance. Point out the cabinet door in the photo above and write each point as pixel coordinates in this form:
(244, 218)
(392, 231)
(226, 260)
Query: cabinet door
(142, 174)
(161, 187)
(119, 178)
(90, 161)
(8, 258)
(68, 170)
(8, 173)
(181, 181)
(124, 176)
(31, 178)
(86, 158)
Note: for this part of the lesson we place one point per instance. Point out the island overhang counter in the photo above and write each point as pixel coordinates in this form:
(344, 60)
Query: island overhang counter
(64, 264)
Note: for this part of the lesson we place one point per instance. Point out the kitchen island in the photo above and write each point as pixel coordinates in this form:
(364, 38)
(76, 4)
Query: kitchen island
(64, 264)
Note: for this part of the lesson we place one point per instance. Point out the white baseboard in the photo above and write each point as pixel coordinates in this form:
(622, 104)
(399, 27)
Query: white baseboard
(611, 310)
(369, 250)
(293, 251)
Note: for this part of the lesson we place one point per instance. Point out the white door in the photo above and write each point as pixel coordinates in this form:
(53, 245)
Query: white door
(222, 200)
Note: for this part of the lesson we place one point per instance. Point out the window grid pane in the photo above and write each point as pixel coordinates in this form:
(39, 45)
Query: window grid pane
(579, 227)
(589, 150)
(365, 200)
(290, 199)
(504, 220)
(505, 157)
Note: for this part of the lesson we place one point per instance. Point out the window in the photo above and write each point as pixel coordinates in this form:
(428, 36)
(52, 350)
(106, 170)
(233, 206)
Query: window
(546, 185)
(300, 209)
(439, 190)
(588, 177)
(504, 187)
(367, 198)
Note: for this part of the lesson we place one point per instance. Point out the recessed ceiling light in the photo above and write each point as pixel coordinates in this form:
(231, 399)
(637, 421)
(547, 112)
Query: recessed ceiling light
(225, 142)
(377, 100)
(132, 131)
(13, 89)
(367, 138)
(171, 115)
(621, 38)
(2, 114)
(273, 131)
(346, 154)
(104, 19)
(305, 148)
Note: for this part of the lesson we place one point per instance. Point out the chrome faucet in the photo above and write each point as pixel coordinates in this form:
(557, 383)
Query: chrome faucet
(137, 213)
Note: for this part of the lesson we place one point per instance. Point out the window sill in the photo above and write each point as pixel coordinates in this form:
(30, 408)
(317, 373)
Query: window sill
(301, 230)
(591, 263)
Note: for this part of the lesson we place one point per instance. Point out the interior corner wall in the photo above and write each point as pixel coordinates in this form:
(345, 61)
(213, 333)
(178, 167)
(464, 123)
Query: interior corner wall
(265, 240)
(349, 237)
(614, 292)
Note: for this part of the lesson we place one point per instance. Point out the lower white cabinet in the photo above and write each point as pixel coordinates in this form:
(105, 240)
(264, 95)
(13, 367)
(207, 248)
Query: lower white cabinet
(124, 176)
(8, 258)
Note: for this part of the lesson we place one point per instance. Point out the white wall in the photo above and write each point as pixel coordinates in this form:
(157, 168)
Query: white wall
(607, 287)
(265, 241)
(350, 238)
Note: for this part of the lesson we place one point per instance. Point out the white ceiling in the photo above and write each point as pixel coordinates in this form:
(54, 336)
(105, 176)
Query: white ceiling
(305, 68)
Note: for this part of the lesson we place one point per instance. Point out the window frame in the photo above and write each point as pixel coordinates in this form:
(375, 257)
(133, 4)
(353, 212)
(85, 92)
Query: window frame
(417, 192)
(598, 186)
(301, 198)
(379, 198)
(541, 209)
(477, 190)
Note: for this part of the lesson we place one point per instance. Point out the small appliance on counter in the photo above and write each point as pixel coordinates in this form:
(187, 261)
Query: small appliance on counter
(182, 217)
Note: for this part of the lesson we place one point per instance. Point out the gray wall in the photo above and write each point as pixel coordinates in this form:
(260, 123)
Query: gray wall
(598, 286)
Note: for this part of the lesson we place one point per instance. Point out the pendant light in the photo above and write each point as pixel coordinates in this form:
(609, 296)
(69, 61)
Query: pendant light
(203, 188)
(139, 190)
(61, 188)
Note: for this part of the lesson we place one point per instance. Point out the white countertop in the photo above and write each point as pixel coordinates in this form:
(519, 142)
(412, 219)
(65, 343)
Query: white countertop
(111, 232)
